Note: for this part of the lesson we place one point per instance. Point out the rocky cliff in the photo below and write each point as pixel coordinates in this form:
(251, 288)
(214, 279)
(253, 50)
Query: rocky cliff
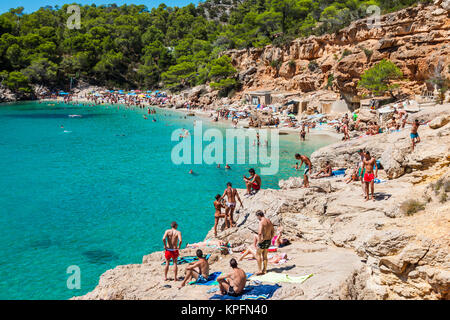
(416, 39)
(396, 247)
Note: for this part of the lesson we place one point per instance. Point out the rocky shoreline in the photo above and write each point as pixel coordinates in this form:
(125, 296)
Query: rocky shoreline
(379, 249)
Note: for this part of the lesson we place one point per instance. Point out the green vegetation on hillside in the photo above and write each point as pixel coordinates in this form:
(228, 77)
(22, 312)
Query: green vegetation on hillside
(378, 79)
(133, 47)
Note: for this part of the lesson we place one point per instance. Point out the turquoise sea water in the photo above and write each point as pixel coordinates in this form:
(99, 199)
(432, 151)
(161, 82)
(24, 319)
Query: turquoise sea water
(100, 192)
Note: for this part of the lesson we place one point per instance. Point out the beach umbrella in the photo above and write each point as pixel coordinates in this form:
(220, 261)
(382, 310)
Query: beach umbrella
(149, 91)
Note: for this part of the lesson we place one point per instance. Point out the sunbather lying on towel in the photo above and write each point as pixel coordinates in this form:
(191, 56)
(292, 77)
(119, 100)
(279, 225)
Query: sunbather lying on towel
(277, 258)
(211, 243)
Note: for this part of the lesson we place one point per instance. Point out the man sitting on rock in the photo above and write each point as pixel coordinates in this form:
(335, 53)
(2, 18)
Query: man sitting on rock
(324, 172)
(232, 284)
(253, 183)
(198, 270)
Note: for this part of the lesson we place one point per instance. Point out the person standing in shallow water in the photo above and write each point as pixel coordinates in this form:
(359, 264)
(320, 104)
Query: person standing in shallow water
(265, 235)
(172, 244)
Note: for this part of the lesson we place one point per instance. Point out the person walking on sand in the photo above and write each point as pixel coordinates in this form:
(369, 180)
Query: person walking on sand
(218, 213)
(265, 235)
(232, 195)
(199, 270)
(233, 283)
(172, 243)
(253, 183)
(308, 164)
(369, 163)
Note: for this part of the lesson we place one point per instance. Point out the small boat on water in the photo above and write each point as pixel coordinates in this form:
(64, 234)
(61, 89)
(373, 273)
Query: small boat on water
(75, 115)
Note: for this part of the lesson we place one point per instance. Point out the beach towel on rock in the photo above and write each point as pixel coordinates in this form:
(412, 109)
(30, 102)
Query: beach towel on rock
(280, 277)
(262, 292)
(339, 172)
(187, 259)
(211, 280)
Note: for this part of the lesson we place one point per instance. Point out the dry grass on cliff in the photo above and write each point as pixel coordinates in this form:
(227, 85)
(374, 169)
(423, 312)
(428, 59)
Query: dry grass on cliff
(411, 206)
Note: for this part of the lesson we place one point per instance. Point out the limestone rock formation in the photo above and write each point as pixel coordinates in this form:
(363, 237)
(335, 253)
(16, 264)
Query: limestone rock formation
(396, 247)
(417, 39)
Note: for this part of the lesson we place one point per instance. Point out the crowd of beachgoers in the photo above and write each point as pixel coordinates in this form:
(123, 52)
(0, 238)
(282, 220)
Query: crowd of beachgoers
(267, 239)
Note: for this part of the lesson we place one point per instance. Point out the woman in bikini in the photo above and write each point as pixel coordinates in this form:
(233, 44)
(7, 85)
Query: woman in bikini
(218, 213)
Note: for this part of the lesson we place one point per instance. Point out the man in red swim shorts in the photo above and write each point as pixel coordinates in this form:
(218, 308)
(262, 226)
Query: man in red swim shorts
(173, 237)
(253, 183)
(369, 163)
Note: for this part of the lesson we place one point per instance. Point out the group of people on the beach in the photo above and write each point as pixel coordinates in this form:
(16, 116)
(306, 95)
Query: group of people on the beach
(397, 121)
(232, 283)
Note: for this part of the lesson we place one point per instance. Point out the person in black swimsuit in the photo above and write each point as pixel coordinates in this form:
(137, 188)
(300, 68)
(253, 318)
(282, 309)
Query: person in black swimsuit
(265, 235)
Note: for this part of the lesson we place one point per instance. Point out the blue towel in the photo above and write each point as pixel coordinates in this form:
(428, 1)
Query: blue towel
(211, 280)
(339, 172)
(262, 292)
(187, 259)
